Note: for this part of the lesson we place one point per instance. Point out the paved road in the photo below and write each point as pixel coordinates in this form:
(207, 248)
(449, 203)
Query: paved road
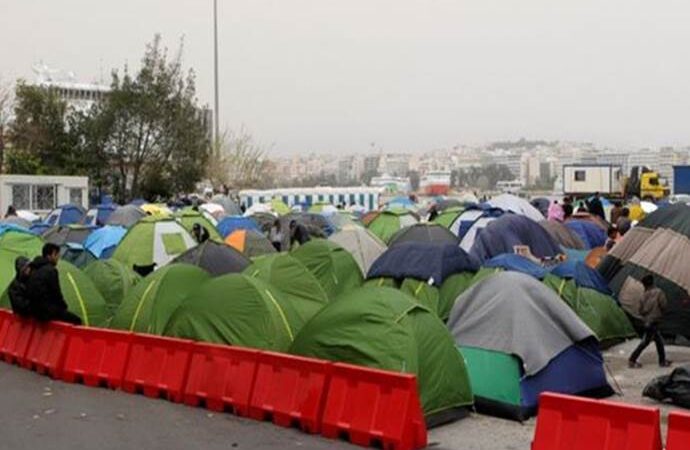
(39, 413)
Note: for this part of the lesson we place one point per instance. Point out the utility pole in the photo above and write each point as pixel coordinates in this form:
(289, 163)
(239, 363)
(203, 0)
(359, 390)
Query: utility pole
(215, 71)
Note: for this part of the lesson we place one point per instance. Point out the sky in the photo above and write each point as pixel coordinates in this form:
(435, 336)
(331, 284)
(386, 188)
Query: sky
(336, 76)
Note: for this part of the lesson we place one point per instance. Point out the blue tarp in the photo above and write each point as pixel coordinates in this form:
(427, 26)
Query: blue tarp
(422, 261)
(591, 234)
(232, 223)
(103, 241)
(509, 230)
(583, 275)
(517, 263)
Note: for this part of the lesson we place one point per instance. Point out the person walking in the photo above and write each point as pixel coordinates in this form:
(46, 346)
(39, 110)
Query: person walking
(652, 310)
(43, 288)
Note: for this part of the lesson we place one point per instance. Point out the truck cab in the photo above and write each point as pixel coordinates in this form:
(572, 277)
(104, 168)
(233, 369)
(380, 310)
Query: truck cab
(646, 184)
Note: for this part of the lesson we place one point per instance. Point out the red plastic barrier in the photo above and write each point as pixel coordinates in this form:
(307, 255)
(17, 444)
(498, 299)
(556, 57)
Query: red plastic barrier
(290, 390)
(374, 407)
(157, 366)
(48, 347)
(15, 337)
(574, 423)
(678, 437)
(221, 377)
(96, 356)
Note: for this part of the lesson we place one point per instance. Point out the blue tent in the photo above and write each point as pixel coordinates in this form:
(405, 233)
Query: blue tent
(591, 234)
(422, 261)
(103, 241)
(65, 215)
(583, 275)
(501, 235)
(39, 228)
(400, 202)
(517, 263)
(99, 214)
(232, 223)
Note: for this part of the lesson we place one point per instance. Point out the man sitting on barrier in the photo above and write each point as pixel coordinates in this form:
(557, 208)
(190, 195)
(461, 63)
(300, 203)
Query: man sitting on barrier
(19, 299)
(43, 288)
(652, 309)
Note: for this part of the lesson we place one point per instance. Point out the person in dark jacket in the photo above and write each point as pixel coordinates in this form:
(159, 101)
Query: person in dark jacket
(17, 289)
(623, 223)
(298, 233)
(43, 288)
(652, 308)
(596, 207)
(200, 233)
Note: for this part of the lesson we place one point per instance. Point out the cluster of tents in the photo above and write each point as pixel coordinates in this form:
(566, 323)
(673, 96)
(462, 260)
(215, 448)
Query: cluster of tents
(449, 301)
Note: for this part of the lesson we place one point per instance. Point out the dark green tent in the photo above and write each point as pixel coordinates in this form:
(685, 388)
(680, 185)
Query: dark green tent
(425, 294)
(384, 328)
(113, 280)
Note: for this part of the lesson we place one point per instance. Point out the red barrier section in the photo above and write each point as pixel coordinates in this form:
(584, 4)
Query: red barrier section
(221, 377)
(678, 437)
(289, 390)
(574, 423)
(15, 337)
(96, 356)
(374, 407)
(157, 366)
(47, 349)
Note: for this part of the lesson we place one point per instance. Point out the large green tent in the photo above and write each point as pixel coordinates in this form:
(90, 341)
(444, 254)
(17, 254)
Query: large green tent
(389, 221)
(234, 309)
(15, 242)
(383, 328)
(188, 217)
(294, 283)
(448, 216)
(451, 289)
(153, 240)
(598, 311)
(425, 294)
(148, 306)
(332, 265)
(80, 294)
(112, 279)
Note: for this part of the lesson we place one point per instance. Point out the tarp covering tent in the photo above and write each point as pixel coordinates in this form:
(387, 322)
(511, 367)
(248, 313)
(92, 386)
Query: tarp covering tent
(234, 309)
(147, 307)
(517, 205)
(231, 208)
(563, 235)
(517, 263)
(659, 245)
(80, 294)
(519, 340)
(153, 240)
(424, 232)
(503, 234)
(294, 284)
(583, 275)
(363, 245)
(113, 280)
(98, 215)
(332, 265)
(592, 218)
(383, 328)
(231, 223)
(598, 311)
(125, 216)
(63, 234)
(388, 222)
(65, 215)
(188, 218)
(589, 232)
(250, 243)
(448, 216)
(216, 258)
(103, 241)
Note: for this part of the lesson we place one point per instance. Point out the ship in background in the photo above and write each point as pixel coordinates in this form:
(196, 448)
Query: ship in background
(435, 182)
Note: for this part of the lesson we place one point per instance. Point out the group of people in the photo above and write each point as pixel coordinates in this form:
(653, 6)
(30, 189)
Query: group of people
(35, 291)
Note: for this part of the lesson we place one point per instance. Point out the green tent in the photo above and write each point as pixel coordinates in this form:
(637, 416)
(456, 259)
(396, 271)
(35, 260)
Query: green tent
(450, 290)
(421, 291)
(112, 279)
(294, 283)
(332, 265)
(81, 295)
(148, 306)
(153, 240)
(188, 217)
(382, 328)
(15, 243)
(599, 311)
(279, 207)
(389, 221)
(448, 216)
(234, 309)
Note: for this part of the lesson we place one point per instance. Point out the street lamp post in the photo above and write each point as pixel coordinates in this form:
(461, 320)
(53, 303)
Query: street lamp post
(215, 71)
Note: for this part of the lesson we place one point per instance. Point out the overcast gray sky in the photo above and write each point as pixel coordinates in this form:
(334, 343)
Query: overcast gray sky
(332, 76)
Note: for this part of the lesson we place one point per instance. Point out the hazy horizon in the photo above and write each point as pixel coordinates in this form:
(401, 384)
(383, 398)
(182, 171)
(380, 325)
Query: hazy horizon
(310, 76)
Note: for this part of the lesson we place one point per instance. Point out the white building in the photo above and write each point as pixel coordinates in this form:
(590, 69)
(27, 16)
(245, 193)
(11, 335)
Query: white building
(80, 96)
(42, 193)
(367, 197)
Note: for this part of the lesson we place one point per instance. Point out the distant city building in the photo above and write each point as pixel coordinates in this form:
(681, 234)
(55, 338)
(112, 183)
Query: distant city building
(80, 96)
